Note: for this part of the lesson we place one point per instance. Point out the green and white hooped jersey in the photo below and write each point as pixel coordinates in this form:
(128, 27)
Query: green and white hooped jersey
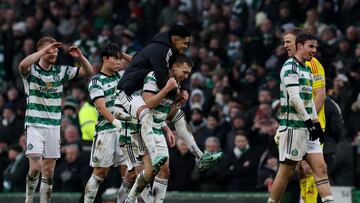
(44, 92)
(102, 85)
(160, 112)
(295, 74)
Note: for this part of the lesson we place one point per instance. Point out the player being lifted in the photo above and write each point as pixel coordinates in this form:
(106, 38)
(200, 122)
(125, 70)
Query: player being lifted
(157, 57)
(307, 183)
(299, 122)
(43, 84)
(163, 107)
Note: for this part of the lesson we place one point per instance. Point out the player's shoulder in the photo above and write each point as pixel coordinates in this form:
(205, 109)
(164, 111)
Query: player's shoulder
(315, 65)
(290, 65)
(150, 77)
(96, 79)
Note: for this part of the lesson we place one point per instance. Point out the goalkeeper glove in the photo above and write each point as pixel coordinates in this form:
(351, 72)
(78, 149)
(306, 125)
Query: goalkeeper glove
(315, 131)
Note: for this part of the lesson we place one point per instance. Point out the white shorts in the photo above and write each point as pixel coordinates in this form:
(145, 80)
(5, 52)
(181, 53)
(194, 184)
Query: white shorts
(44, 141)
(132, 160)
(130, 103)
(294, 144)
(105, 151)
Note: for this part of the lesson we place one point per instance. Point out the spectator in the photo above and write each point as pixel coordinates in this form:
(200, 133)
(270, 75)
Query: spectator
(11, 127)
(67, 175)
(16, 171)
(197, 120)
(267, 174)
(239, 167)
(182, 163)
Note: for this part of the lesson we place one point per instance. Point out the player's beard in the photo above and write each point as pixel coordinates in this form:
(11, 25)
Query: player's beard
(51, 60)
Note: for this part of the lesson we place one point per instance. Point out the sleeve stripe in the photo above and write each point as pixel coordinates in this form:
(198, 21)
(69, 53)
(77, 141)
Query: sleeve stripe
(150, 91)
(314, 67)
(292, 85)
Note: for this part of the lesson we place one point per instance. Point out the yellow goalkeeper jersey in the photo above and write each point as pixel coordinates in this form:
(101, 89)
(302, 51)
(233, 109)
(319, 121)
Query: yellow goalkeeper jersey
(319, 82)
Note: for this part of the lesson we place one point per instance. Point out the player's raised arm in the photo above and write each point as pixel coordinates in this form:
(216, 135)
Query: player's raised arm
(86, 69)
(153, 99)
(24, 66)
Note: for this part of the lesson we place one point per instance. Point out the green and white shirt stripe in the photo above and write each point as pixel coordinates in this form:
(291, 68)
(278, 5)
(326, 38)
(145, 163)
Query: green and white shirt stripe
(160, 112)
(44, 90)
(295, 74)
(104, 86)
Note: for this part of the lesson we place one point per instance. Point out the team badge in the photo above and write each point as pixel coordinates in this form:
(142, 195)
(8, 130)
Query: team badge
(294, 152)
(56, 78)
(30, 146)
(95, 159)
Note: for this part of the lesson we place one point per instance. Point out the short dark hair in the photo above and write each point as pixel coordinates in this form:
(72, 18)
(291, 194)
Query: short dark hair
(44, 40)
(182, 58)
(296, 32)
(111, 49)
(179, 30)
(303, 37)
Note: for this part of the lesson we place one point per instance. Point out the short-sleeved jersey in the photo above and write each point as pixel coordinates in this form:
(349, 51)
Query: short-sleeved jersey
(44, 90)
(104, 86)
(161, 111)
(295, 74)
(319, 82)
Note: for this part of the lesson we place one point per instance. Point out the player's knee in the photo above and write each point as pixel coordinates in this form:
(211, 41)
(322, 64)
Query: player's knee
(35, 170)
(100, 172)
(148, 172)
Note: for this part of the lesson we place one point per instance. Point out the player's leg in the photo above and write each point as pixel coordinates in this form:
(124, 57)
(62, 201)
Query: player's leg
(51, 154)
(129, 178)
(102, 157)
(161, 183)
(292, 148)
(205, 160)
(32, 178)
(126, 185)
(161, 179)
(34, 152)
(142, 179)
(47, 171)
(319, 168)
(92, 186)
(281, 181)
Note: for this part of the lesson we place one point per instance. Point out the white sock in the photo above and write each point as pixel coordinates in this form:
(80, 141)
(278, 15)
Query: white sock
(139, 185)
(123, 191)
(147, 133)
(329, 198)
(159, 189)
(183, 132)
(271, 200)
(31, 184)
(91, 188)
(146, 194)
(45, 190)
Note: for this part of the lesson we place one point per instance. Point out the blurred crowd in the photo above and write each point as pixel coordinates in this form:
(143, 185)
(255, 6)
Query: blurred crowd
(237, 49)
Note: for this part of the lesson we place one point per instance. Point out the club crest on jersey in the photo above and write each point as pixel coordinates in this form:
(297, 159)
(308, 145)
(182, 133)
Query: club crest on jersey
(30, 146)
(56, 78)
